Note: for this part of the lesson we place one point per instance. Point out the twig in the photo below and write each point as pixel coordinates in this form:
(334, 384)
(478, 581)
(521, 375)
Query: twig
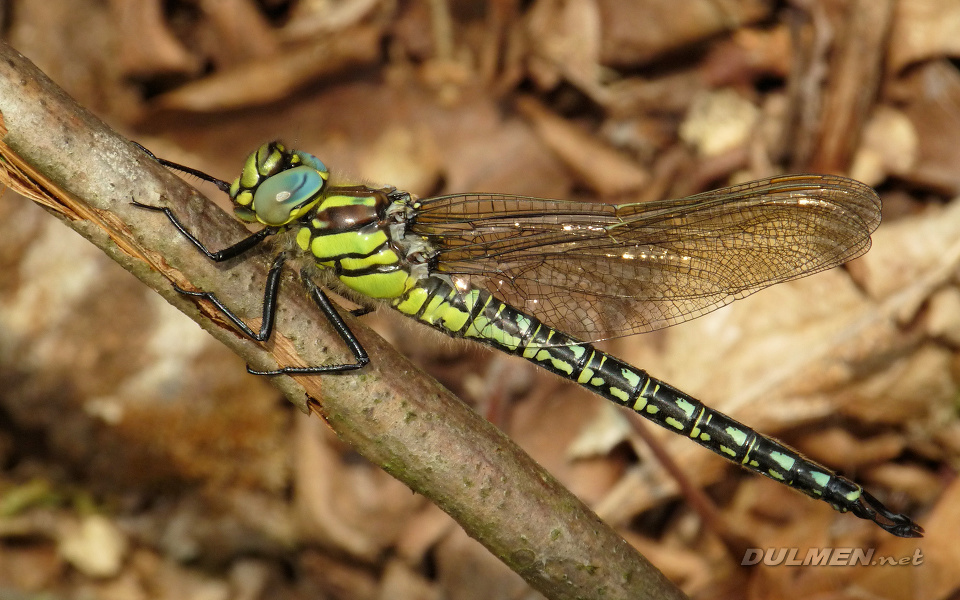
(390, 412)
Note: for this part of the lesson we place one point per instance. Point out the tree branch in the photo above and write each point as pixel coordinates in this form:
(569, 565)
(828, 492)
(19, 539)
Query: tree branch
(390, 412)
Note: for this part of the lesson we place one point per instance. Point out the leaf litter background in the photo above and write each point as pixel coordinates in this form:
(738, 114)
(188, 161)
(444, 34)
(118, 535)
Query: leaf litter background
(139, 460)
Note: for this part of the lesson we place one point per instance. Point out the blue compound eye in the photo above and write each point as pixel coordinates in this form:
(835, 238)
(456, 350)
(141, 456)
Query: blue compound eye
(312, 161)
(279, 197)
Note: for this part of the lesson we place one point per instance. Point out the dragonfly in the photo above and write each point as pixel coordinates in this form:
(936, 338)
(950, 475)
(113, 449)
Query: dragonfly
(544, 279)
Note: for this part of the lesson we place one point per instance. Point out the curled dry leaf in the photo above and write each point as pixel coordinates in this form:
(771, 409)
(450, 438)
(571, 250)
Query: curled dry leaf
(95, 546)
(855, 76)
(238, 33)
(943, 315)
(312, 19)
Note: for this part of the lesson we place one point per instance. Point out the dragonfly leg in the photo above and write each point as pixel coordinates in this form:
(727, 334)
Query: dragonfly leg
(269, 303)
(244, 245)
(342, 329)
(224, 186)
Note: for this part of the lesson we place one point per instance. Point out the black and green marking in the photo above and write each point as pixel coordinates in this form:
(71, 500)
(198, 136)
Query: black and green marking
(525, 275)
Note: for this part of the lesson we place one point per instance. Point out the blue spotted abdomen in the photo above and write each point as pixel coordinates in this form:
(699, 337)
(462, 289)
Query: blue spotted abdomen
(476, 314)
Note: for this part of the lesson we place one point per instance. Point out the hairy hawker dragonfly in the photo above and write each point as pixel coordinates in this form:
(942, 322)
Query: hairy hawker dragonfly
(542, 278)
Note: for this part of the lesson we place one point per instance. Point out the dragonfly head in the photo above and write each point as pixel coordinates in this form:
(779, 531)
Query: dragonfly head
(278, 185)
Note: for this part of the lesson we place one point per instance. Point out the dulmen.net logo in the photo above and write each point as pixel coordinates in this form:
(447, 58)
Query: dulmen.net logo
(826, 557)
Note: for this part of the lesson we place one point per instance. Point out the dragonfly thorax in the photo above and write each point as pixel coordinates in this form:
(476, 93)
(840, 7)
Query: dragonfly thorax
(360, 233)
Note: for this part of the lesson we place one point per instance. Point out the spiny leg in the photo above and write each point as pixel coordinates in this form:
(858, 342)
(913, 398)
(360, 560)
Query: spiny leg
(224, 186)
(237, 249)
(269, 310)
(342, 329)
(271, 290)
(244, 245)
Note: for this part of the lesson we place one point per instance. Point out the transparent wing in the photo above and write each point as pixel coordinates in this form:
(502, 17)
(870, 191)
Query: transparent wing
(598, 271)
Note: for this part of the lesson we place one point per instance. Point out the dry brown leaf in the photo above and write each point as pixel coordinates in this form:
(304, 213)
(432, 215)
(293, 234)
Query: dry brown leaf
(545, 426)
(239, 32)
(147, 46)
(889, 146)
(402, 581)
(913, 481)
(313, 18)
(828, 444)
(718, 122)
(931, 96)
(506, 158)
(269, 79)
(633, 96)
(466, 570)
(637, 32)
(748, 54)
(692, 569)
(943, 315)
(339, 579)
(565, 37)
(911, 258)
(924, 29)
(937, 577)
(405, 156)
(856, 68)
(597, 165)
(422, 533)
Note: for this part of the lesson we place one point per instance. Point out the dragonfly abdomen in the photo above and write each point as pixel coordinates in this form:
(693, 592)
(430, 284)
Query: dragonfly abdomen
(738, 443)
(477, 314)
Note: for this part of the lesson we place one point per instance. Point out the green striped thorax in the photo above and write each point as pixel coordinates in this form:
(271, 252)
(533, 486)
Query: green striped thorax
(278, 186)
(357, 231)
